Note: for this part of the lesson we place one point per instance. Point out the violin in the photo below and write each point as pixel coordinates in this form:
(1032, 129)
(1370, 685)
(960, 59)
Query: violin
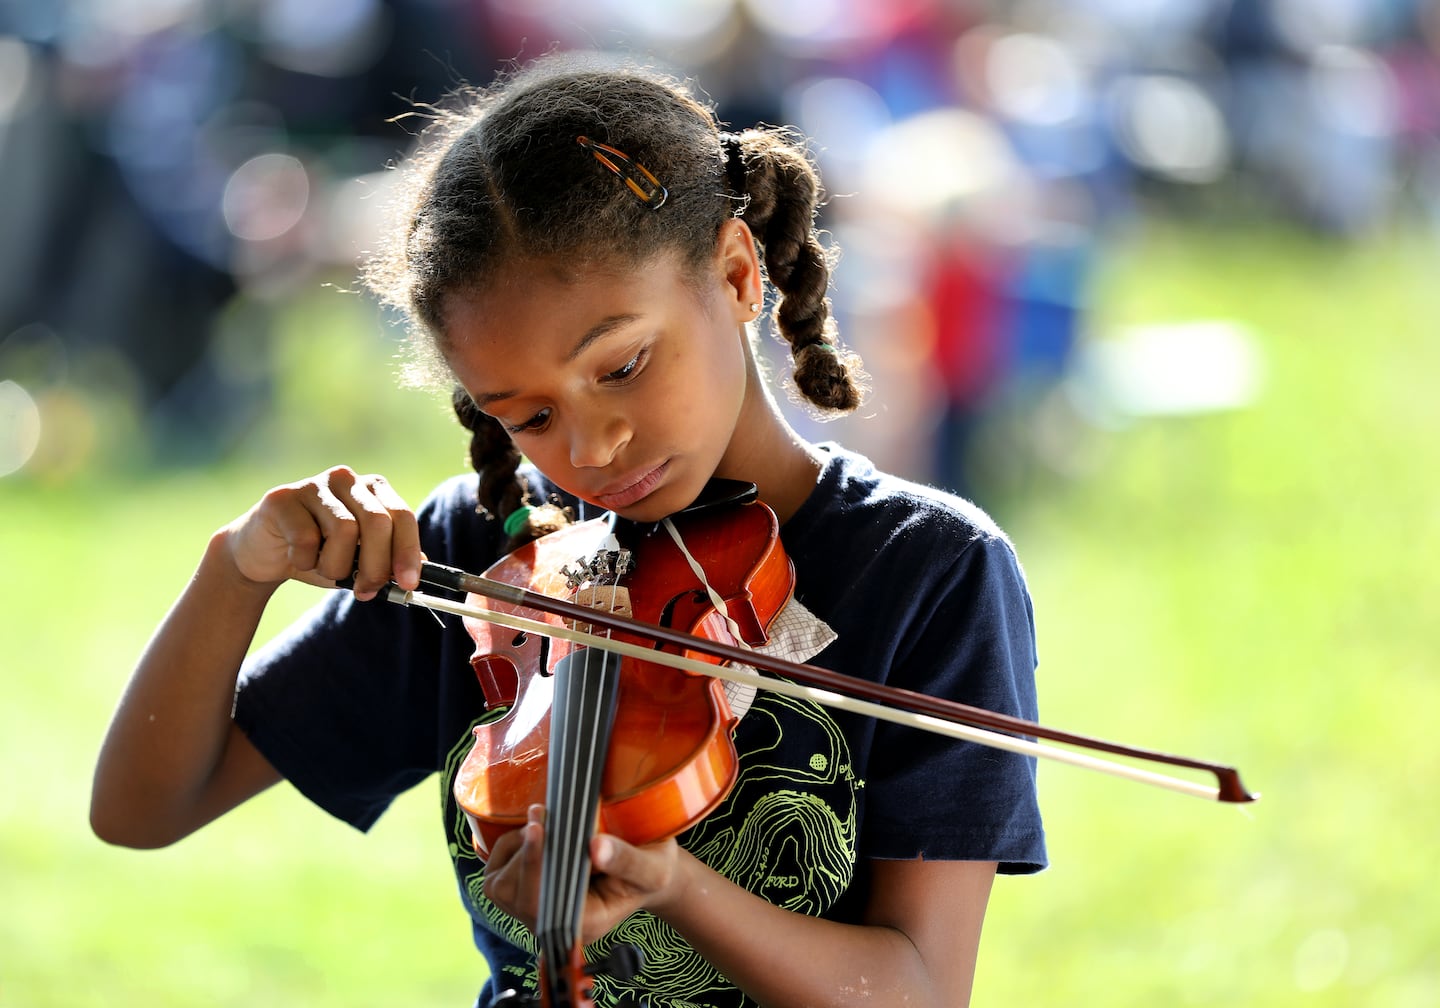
(669, 760)
(637, 749)
(641, 747)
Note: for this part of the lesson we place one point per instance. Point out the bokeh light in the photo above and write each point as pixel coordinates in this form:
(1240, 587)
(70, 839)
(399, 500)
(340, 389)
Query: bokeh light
(19, 427)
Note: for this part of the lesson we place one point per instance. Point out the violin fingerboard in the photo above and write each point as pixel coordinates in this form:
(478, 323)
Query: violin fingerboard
(581, 717)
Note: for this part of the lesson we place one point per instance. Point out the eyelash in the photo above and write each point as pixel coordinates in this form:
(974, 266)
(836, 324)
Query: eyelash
(534, 423)
(627, 373)
(620, 376)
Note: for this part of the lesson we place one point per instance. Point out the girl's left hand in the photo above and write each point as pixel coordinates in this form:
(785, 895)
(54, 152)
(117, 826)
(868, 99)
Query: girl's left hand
(624, 878)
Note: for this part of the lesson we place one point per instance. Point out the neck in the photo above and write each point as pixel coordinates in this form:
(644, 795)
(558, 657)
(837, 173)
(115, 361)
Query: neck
(767, 451)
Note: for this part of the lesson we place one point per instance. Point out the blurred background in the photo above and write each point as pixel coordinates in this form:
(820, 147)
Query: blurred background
(1151, 280)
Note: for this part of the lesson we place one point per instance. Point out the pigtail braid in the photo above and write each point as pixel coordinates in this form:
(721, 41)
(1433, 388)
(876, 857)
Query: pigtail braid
(781, 196)
(503, 495)
(493, 457)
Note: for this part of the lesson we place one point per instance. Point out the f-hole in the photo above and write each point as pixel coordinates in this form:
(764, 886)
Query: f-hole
(667, 612)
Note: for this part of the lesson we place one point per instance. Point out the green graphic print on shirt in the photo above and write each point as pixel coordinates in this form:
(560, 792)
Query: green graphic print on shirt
(786, 832)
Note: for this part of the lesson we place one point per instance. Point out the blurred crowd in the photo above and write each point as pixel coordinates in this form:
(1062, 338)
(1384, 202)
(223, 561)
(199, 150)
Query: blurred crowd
(174, 171)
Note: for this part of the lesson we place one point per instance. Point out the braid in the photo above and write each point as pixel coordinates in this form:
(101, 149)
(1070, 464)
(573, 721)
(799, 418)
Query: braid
(503, 491)
(781, 197)
(493, 456)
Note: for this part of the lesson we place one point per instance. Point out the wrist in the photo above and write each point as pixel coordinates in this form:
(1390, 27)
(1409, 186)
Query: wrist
(688, 877)
(220, 567)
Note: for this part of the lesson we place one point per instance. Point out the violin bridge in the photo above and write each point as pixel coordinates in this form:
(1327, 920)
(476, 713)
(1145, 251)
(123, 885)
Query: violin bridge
(611, 599)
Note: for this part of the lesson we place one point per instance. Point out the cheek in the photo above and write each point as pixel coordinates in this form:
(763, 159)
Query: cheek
(705, 380)
(722, 352)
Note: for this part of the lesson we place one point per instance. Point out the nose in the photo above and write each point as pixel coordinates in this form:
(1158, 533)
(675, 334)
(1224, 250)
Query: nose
(597, 437)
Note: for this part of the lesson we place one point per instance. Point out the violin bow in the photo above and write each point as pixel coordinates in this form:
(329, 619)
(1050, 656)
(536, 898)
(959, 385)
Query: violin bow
(859, 696)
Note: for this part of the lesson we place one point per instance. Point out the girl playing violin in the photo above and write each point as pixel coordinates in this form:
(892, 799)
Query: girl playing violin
(583, 251)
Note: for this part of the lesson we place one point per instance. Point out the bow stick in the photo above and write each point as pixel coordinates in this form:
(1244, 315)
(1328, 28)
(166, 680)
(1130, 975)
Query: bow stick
(888, 703)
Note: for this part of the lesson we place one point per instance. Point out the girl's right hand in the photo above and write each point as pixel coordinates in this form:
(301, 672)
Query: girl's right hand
(310, 531)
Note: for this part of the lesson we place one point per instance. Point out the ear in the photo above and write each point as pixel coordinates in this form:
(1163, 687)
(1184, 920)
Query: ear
(739, 266)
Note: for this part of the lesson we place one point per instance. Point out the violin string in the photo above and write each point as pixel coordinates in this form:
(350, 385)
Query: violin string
(604, 696)
(582, 690)
(547, 918)
(554, 921)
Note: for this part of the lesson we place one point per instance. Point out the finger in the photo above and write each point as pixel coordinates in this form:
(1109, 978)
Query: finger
(639, 871)
(512, 874)
(278, 538)
(512, 843)
(503, 850)
(383, 523)
(623, 881)
(405, 553)
(603, 853)
(310, 518)
(361, 510)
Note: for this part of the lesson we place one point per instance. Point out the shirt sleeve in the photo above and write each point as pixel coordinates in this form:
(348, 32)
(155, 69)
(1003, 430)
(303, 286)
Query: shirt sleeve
(345, 703)
(337, 704)
(971, 639)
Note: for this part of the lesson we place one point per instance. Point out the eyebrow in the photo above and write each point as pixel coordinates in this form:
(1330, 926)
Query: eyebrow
(599, 330)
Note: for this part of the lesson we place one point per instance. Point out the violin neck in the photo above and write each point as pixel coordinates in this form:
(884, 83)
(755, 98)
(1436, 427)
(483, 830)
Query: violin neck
(581, 716)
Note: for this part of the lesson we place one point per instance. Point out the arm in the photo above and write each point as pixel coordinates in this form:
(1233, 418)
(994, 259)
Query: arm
(917, 945)
(173, 759)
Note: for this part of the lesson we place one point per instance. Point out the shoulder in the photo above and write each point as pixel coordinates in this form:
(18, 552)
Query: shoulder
(456, 493)
(873, 549)
(871, 508)
(453, 530)
(450, 507)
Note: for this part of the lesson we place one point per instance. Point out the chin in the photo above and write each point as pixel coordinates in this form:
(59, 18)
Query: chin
(648, 510)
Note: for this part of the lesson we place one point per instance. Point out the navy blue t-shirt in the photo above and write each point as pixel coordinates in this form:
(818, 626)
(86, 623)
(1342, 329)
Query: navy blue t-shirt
(356, 703)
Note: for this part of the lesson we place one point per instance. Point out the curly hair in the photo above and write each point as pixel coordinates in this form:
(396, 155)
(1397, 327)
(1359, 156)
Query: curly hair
(499, 175)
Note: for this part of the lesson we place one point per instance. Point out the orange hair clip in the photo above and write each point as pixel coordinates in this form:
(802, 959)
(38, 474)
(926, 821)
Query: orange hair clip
(642, 183)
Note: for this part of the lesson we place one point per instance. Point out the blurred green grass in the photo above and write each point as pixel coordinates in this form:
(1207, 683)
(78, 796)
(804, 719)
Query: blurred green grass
(1254, 586)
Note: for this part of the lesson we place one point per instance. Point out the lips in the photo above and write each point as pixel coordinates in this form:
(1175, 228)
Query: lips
(632, 488)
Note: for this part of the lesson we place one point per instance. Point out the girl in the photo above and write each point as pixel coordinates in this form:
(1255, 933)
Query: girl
(582, 252)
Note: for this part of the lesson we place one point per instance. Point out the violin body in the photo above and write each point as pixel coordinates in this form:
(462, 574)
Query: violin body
(670, 757)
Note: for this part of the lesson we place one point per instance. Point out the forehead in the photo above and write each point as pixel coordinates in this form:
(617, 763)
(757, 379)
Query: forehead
(542, 307)
(552, 290)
